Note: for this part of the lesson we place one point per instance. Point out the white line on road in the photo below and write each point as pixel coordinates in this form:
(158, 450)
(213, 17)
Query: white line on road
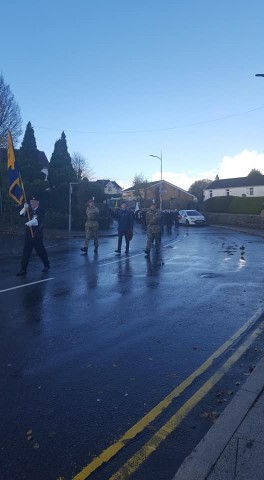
(136, 255)
(121, 259)
(26, 285)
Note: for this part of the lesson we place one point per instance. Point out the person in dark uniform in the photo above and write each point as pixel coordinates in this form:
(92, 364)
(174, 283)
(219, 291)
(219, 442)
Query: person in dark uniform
(33, 236)
(125, 227)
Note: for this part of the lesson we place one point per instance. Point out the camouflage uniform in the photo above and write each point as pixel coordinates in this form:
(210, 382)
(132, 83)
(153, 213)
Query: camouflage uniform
(91, 226)
(153, 221)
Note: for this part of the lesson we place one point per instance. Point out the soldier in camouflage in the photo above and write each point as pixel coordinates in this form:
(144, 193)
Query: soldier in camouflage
(91, 226)
(153, 222)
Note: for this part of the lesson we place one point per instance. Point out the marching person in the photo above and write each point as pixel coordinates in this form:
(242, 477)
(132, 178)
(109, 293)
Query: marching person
(153, 222)
(33, 236)
(125, 227)
(91, 226)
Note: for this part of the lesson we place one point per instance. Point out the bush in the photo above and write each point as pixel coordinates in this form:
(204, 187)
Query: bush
(56, 220)
(242, 205)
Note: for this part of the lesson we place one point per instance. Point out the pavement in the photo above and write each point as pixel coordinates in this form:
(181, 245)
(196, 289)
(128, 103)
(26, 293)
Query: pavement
(233, 448)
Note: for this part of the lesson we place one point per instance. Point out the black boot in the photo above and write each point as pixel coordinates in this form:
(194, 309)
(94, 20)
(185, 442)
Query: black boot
(84, 249)
(21, 273)
(46, 269)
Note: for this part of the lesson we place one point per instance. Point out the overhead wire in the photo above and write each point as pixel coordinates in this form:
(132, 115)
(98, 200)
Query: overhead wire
(117, 132)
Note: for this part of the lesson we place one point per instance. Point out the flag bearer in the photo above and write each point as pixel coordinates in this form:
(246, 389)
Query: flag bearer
(33, 235)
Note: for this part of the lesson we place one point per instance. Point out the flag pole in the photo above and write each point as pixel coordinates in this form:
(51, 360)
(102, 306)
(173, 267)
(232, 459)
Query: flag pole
(15, 179)
(25, 199)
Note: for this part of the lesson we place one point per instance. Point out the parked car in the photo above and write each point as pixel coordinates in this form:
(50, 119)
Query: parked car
(191, 217)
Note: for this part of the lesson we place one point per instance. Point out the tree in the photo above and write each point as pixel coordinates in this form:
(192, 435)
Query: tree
(30, 168)
(29, 165)
(60, 169)
(139, 179)
(81, 167)
(198, 187)
(255, 173)
(10, 118)
(139, 182)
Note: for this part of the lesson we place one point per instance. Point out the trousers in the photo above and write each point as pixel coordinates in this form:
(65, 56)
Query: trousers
(37, 244)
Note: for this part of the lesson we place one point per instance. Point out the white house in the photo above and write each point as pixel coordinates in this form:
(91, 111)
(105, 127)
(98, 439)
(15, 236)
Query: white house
(251, 186)
(109, 187)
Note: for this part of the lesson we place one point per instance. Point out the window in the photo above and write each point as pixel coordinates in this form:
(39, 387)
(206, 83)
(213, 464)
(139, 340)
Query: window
(211, 193)
(251, 190)
(227, 192)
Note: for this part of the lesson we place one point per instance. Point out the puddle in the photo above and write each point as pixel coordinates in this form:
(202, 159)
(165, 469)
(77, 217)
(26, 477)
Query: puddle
(208, 275)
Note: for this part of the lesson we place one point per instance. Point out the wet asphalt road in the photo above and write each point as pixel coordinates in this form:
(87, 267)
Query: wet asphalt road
(91, 348)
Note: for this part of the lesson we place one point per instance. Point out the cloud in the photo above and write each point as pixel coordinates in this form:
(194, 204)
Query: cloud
(124, 183)
(238, 165)
(241, 164)
(184, 180)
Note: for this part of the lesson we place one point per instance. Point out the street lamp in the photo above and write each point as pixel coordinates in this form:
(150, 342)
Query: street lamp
(70, 194)
(259, 74)
(160, 158)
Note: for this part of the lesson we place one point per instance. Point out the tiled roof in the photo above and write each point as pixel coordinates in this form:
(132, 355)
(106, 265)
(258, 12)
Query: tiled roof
(103, 183)
(41, 157)
(251, 181)
(144, 186)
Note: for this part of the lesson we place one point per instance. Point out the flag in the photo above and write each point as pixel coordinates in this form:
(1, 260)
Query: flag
(15, 190)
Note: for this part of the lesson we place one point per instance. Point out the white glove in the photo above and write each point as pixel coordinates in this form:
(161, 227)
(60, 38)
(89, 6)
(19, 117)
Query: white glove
(32, 223)
(24, 209)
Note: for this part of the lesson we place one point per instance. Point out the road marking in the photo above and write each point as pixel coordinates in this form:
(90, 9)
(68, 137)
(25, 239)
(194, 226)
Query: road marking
(107, 454)
(151, 446)
(100, 265)
(26, 285)
(136, 255)
(120, 259)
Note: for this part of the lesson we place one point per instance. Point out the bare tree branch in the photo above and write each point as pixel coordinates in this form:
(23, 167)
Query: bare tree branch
(10, 118)
(81, 166)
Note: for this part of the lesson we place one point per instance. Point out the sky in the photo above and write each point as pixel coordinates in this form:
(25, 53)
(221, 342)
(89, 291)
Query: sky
(125, 79)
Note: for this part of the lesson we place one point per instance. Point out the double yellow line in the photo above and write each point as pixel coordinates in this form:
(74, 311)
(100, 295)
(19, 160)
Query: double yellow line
(136, 460)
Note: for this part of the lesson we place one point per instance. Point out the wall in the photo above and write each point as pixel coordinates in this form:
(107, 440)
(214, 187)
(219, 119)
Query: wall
(239, 220)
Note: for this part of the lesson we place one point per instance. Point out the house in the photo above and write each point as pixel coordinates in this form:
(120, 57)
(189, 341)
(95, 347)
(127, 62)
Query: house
(251, 186)
(44, 163)
(149, 191)
(109, 187)
(41, 158)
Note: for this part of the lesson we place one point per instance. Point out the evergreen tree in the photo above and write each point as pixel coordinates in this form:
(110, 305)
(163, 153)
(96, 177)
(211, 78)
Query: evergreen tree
(60, 169)
(28, 161)
(30, 168)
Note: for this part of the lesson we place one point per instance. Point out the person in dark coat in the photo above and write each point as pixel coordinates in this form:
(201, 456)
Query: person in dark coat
(125, 227)
(33, 236)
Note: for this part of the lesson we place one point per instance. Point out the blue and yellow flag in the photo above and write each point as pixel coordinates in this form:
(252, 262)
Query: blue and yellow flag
(15, 190)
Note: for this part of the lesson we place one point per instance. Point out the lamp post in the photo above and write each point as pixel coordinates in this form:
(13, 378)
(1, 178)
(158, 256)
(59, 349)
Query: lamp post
(70, 194)
(160, 158)
(259, 74)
